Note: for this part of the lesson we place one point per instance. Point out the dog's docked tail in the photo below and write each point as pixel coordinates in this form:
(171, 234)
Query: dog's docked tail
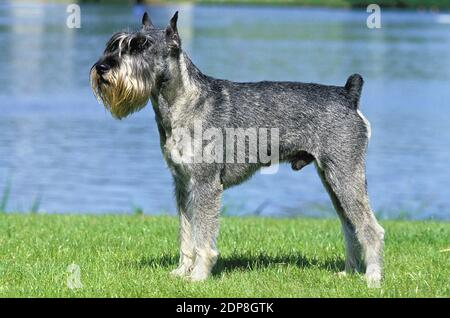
(354, 86)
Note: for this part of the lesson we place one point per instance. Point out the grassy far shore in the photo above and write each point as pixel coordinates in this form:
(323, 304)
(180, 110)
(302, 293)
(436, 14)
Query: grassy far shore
(130, 256)
(410, 4)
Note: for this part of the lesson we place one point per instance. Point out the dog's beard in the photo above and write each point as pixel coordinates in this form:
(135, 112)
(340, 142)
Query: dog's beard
(122, 90)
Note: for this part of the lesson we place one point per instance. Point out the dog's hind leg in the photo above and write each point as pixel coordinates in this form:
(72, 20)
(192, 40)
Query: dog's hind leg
(353, 262)
(345, 181)
(187, 253)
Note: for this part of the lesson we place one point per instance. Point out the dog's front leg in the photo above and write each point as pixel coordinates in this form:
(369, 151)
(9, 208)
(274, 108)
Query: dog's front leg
(205, 204)
(187, 252)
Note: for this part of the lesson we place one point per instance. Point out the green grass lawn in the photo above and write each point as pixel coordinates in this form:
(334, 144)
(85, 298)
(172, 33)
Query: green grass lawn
(131, 256)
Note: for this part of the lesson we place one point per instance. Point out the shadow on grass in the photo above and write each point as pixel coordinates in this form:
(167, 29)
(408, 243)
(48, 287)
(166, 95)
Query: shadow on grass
(237, 262)
(249, 262)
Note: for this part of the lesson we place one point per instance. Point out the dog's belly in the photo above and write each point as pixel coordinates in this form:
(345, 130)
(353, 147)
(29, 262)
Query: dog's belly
(236, 173)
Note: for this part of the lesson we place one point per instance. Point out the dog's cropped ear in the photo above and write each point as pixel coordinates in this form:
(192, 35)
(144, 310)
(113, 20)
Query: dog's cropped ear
(172, 37)
(146, 22)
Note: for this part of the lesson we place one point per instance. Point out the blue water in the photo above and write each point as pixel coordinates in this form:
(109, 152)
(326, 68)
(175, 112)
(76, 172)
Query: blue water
(61, 152)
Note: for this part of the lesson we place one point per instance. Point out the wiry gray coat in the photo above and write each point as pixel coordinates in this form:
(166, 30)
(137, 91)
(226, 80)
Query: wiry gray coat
(317, 123)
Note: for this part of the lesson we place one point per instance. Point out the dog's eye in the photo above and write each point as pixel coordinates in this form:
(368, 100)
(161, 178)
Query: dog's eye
(139, 44)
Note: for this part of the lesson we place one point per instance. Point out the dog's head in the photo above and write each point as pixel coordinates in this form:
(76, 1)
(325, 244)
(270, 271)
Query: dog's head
(133, 65)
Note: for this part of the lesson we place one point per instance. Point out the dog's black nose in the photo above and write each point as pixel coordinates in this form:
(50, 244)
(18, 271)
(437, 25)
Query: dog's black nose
(102, 68)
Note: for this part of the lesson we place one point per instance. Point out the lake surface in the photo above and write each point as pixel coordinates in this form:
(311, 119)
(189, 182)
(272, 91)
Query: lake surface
(60, 151)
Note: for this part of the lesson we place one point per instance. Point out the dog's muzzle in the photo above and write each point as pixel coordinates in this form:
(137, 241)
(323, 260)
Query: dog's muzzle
(118, 88)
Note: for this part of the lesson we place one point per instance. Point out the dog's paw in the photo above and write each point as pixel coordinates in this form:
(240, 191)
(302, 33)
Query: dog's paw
(198, 274)
(373, 283)
(373, 276)
(180, 271)
(342, 274)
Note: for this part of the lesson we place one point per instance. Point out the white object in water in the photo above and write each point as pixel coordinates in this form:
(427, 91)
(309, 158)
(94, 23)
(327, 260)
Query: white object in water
(443, 18)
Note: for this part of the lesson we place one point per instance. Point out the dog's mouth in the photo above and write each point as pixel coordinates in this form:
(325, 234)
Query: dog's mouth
(97, 82)
(102, 81)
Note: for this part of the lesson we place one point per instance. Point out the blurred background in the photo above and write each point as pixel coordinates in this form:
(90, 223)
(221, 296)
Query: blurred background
(61, 152)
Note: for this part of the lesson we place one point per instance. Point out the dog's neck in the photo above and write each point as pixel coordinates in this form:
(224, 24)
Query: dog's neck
(180, 89)
(183, 83)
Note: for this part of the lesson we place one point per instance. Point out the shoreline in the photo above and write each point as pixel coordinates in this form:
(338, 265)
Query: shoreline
(433, 5)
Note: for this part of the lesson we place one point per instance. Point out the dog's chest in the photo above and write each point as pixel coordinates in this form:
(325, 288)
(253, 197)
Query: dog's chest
(178, 152)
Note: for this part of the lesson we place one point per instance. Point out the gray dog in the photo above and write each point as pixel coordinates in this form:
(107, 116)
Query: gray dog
(315, 123)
